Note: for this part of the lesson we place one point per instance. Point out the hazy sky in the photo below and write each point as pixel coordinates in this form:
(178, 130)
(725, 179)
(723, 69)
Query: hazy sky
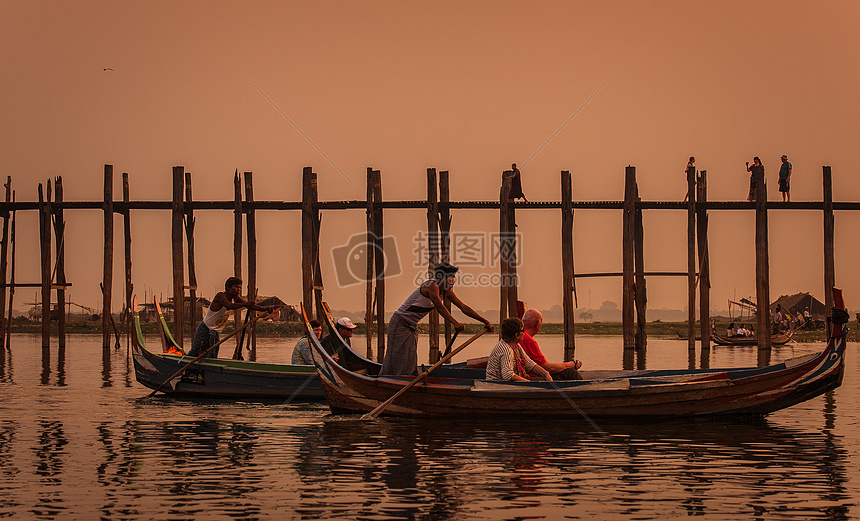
(468, 87)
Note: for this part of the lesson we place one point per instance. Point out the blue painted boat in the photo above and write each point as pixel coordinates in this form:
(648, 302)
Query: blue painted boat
(217, 377)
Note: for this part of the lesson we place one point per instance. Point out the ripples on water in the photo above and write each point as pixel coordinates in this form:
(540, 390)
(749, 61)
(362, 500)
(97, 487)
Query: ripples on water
(80, 440)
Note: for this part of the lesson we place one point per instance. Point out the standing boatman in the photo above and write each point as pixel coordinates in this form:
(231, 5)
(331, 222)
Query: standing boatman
(209, 329)
(401, 355)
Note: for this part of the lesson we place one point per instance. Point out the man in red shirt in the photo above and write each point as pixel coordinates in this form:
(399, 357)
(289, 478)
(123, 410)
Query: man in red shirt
(533, 320)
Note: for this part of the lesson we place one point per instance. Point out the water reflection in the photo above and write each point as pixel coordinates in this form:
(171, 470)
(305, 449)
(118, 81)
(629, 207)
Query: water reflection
(106, 359)
(420, 463)
(61, 366)
(46, 365)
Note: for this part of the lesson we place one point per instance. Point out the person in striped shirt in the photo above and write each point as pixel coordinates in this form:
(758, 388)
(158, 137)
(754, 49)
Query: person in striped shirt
(508, 361)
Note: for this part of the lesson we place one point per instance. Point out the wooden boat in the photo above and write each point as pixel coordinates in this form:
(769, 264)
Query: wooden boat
(642, 394)
(775, 340)
(218, 377)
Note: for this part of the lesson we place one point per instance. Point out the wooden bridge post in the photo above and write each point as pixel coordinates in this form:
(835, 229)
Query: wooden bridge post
(640, 295)
(251, 223)
(59, 237)
(107, 273)
(691, 261)
(178, 209)
(445, 235)
(129, 287)
(189, 239)
(762, 266)
(307, 242)
(369, 257)
(316, 223)
(4, 255)
(432, 258)
(380, 265)
(504, 266)
(627, 299)
(237, 241)
(829, 224)
(45, 249)
(568, 281)
(704, 264)
(8, 332)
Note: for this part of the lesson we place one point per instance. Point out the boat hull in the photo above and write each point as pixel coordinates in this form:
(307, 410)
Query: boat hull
(221, 378)
(610, 394)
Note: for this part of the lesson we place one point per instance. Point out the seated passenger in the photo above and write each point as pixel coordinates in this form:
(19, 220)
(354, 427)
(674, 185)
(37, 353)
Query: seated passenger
(344, 327)
(508, 361)
(532, 321)
(730, 332)
(302, 351)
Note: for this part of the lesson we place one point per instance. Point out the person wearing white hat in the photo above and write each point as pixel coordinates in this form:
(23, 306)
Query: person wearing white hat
(344, 327)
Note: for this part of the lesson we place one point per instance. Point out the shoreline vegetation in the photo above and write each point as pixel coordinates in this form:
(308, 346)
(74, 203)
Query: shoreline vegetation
(291, 329)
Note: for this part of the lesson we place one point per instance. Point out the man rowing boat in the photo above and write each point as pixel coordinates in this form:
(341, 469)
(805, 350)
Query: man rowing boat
(401, 355)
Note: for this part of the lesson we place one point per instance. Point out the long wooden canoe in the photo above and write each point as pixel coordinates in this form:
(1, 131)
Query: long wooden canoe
(218, 377)
(641, 394)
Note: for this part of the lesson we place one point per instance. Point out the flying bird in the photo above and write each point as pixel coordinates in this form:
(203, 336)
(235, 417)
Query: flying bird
(108, 69)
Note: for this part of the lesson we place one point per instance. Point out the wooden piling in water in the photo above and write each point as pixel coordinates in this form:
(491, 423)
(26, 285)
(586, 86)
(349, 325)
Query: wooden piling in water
(4, 255)
(318, 286)
(432, 259)
(45, 250)
(568, 280)
(829, 226)
(627, 265)
(370, 264)
(762, 266)
(379, 260)
(60, 265)
(107, 267)
(445, 235)
(691, 260)
(251, 286)
(178, 209)
(189, 238)
(704, 262)
(307, 242)
(8, 333)
(237, 241)
(129, 286)
(640, 294)
(504, 267)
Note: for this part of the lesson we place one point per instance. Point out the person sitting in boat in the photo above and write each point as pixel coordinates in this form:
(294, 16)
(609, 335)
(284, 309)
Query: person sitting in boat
(777, 319)
(508, 361)
(741, 332)
(401, 353)
(344, 328)
(302, 351)
(209, 329)
(730, 331)
(532, 321)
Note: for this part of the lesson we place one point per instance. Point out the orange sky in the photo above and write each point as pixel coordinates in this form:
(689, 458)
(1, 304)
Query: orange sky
(467, 87)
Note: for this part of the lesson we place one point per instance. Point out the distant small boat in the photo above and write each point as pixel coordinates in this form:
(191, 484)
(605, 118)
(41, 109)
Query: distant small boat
(683, 336)
(775, 340)
(218, 377)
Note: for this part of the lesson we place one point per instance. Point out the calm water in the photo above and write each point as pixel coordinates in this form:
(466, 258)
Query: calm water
(80, 440)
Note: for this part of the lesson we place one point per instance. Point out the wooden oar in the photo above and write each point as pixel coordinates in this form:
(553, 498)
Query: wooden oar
(237, 353)
(201, 355)
(376, 412)
(451, 343)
